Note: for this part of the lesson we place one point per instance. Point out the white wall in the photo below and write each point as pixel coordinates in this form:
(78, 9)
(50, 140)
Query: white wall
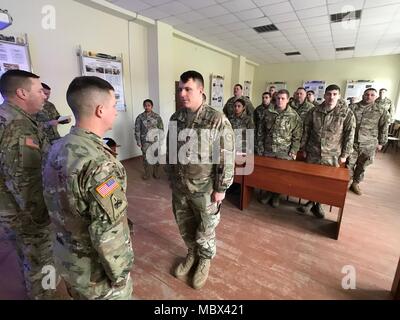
(54, 57)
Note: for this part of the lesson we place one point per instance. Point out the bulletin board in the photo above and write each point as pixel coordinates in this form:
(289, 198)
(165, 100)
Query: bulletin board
(247, 89)
(217, 91)
(318, 86)
(109, 69)
(278, 84)
(14, 56)
(356, 88)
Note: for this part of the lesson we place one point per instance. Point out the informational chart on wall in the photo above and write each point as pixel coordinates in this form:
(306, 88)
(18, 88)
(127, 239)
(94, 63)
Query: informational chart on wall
(13, 56)
(217, 91)
(277, 84)
(247, 89)
(108, 68)
(356, 88)
(318, 86)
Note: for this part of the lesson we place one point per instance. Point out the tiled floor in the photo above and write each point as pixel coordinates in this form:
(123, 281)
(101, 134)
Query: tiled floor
(263, 253)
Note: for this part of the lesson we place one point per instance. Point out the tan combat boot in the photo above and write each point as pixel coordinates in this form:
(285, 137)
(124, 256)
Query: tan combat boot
(156, 171)
(201, 274)
(184, 267)
(147, 172)
(355, 187)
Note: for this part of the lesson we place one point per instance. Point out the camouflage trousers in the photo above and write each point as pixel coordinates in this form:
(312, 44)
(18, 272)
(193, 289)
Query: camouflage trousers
(33, 245)
(359, 160)
(197, 218)
(102, 290)
(150, 169)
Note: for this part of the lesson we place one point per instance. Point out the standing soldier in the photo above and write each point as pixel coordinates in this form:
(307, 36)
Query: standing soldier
(279, 135)
(146, 121)
(84, 189)
(311, 98)
(386, 104)
(237, 94)
(259, 112)
(240, 122)
(328, 137)
(371, 135)
(198, 186)
(300, 104)
(48, 117)
(23, 212)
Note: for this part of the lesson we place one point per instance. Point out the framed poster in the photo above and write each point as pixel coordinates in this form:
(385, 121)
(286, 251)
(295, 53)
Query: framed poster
(247, 89)
(277, 84)
(109, 69)
(217, 92)
(356, 88)
(14, 56)
(318, 86)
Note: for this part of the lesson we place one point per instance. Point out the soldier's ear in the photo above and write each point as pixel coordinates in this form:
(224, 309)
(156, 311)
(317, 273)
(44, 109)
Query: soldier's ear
(21, 93)
(99, 111)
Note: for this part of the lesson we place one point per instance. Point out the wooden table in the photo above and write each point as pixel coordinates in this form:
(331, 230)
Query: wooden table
(324, 184)
(396, 283)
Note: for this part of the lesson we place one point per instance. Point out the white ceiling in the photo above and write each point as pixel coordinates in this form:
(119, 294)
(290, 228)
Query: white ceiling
(304, 26)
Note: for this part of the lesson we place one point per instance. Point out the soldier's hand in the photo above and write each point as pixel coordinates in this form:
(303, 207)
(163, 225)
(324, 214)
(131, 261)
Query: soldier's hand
(218, 197)
(53, 123)
(140, 146)
(292, 155)
(342, 160)
(379, 147)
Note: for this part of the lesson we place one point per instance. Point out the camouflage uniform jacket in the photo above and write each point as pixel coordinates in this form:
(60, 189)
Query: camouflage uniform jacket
(144, 123)
(230, 106)
(328, 135)
(84, 189)
(22, 146)
(201, 177)
(43, 117)
(259, 114)
(243, 121)
(301, 109)
(279, 133)
(371, 125)
(387, 105)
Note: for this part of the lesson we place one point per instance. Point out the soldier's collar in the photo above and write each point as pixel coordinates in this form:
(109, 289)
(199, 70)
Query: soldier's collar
(20, 110)
(87, 134)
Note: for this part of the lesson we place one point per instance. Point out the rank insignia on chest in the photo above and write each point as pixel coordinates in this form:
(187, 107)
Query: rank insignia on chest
(107, 188)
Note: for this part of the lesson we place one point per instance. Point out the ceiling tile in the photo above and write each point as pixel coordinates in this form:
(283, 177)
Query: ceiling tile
(306, 4)
(250, 14)
(155, 14)
(174, 7)
(312, 12)
(258, 22)
(238, 5)
(277, 8)
(225, 19)
(213, 11)
(190, 16)
(132, 5)
(372, 3)
(194, 4)
(315, 21)
(173, 21)
(156, 2)
(289, 16)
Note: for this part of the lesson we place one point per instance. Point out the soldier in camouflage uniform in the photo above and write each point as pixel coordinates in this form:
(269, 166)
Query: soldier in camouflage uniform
(386, 104)
(300, 104)
(84, 189)
(328, 137)
(237, 94)
(279, 135)
(259, 112)
(47, 117)
(198, 189)
(371, 134)
(145, 122)
(23, 213)
(240, 122)
(311, 98)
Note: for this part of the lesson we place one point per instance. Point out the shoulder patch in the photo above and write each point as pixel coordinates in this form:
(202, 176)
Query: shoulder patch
(108, 187)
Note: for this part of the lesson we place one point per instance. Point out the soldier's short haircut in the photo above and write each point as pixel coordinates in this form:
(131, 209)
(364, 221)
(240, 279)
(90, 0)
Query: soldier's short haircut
(196, 76)
(45, 86)
(266, 93)
(238, 85)
(284, 91)
(242, 102)
(383, 89)
(311, 91)
(370, 89)
(149, 101)
(12, 80)
(272, 87)
(332, 87)
(81, 89)
(301, 88)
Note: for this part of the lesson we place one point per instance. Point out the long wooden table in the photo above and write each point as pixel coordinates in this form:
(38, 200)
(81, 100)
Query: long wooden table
(324, 184)
(396, 283)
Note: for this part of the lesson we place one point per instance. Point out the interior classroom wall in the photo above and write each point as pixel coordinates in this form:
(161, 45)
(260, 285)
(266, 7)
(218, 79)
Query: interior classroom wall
(192, 56)
(250, 71)
(384, 70)
(53, 54)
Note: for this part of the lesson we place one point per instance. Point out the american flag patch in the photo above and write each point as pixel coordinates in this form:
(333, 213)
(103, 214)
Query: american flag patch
(107, 188)
(30, 142)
